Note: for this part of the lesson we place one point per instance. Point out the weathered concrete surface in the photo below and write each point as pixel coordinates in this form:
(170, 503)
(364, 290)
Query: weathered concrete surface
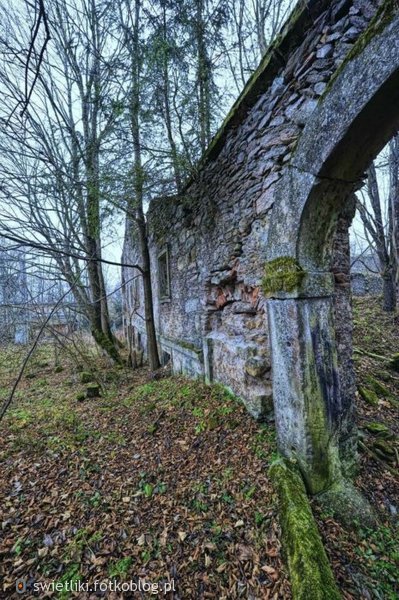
(354, 119)
(274, 184)
(306, 386)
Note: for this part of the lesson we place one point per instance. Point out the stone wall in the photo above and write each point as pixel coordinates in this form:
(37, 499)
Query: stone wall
(365, 277)
(214, 325)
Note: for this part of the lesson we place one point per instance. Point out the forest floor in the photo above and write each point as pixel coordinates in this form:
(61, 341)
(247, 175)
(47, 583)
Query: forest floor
(167, 481)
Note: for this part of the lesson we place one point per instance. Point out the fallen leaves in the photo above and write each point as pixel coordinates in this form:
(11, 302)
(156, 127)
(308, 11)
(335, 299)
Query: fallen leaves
(181, 535)
(189, 501)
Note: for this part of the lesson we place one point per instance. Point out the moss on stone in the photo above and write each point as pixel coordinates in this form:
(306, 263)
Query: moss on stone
(188, 346)
(310, 572)
(283, 274)
(378, 429)
(378, 387)
(93, 390)
(345, 503)
(183, 344)
(384, 450)
(86, 377)
(368, 395)
(394, 362)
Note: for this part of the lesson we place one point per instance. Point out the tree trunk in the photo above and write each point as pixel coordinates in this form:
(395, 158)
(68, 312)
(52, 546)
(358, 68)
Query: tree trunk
(389, 291)
(381, 244)
(203, 76)
(137, 204)
(167, 109)
(394, 207)
(152, 347)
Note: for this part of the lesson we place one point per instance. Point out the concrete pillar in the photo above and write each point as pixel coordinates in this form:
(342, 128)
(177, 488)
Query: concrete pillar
(306, 392)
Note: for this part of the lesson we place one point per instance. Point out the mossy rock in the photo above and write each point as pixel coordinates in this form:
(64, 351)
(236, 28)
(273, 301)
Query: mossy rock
(310, 572)
(394, 362)
(385, 376)
(58, 369)
(93, 390)
(378, 387)
(345, 503)
(368, 395)
(86, 377)
(384, 450)
(379, 429)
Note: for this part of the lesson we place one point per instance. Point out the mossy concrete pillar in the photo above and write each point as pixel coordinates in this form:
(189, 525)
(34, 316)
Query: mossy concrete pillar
(306, 386)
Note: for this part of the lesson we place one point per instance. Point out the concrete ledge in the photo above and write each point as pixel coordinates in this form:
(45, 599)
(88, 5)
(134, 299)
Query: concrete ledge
(181, 346)
(186, 358)
(310, 572)
(314, 285)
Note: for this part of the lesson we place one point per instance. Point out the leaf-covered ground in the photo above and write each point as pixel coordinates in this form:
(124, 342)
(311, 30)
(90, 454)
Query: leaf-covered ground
(164, 480)
(167, 480)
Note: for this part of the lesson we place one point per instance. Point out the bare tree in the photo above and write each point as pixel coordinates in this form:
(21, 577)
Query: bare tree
(380, 222)
(52, 155)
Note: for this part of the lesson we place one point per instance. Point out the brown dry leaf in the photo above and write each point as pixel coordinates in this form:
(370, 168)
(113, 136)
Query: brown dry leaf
(210, 546)
(244, 553)
(270, 571)
(163, 537)
(98, 561)
(239, 523)
(181, 535)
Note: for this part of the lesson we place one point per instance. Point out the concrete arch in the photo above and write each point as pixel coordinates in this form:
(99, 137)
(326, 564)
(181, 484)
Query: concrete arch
(357, 115)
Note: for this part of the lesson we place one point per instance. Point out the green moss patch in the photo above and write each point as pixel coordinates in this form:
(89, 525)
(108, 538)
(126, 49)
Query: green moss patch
(379, 388)
(345, 502)
(368, 395)
(310, 572)
(282, 274)
(378, 429)
(86, 377)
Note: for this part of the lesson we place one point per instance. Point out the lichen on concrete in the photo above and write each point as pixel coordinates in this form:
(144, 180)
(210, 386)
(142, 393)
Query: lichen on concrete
(282, 274)
(310, 572)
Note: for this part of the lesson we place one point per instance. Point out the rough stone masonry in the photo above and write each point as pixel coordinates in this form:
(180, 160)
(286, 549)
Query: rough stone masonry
(210, 246)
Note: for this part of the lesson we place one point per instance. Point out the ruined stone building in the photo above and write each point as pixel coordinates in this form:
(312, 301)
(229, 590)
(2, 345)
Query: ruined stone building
(366, 279)
(250, 264)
